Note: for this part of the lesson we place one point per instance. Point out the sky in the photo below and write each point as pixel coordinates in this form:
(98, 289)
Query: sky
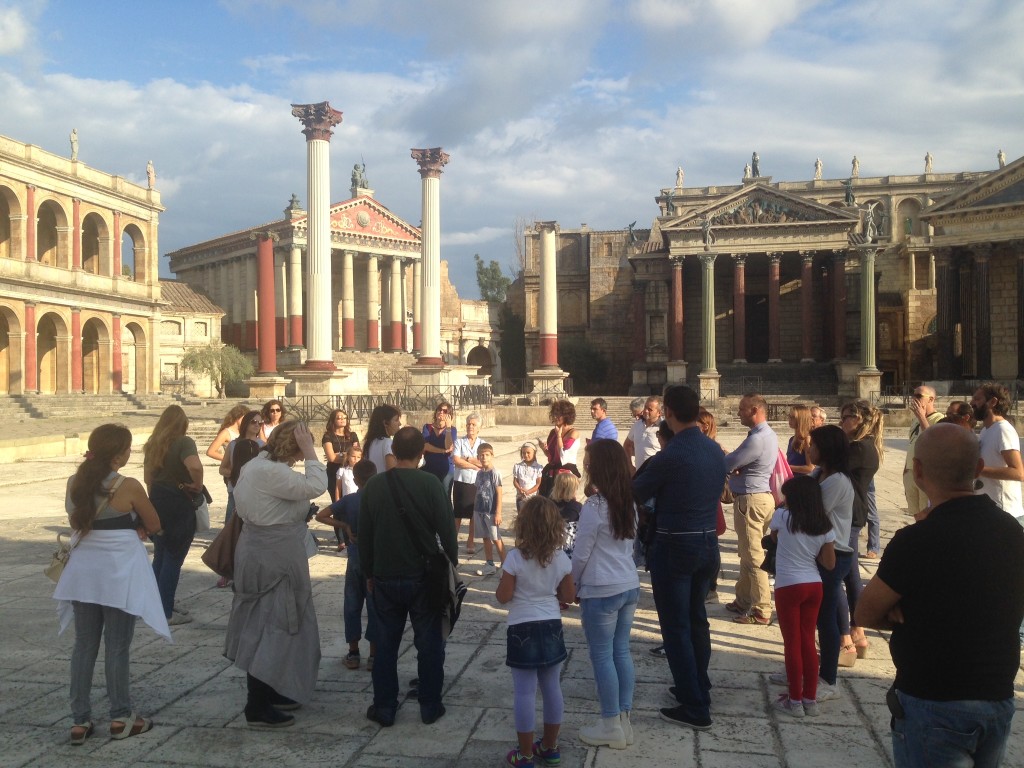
(577, 111)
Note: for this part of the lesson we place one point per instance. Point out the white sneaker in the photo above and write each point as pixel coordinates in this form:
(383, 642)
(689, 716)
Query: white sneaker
(178, 618)
(489, 569)
(778, 678)
(712, 597)
(179, 608)
(627, 727)
(606, 732)
(810, 707)
(827, 692)
(787, 706)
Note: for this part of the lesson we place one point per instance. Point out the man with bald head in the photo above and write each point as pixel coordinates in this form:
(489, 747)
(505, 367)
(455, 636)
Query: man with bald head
(922, 409)
(951, 589)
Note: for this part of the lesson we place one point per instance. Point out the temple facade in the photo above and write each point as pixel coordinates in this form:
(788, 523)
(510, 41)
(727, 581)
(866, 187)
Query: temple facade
(80, 305)
(877, 279)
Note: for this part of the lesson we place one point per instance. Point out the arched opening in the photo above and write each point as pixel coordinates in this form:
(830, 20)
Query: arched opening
(53, 354)
(52, 235)
(481, 358)
(95, 358)
(95, 244)
(134, 371)
(907, 222)
(10, 240)
(133, 254)
(9, 358)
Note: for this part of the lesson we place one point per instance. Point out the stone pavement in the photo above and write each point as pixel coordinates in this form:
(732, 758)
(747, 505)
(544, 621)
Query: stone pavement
(196, 697)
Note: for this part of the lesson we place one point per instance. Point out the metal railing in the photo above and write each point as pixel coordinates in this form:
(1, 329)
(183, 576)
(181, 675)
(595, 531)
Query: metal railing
(385, 377)
(707, 397)
(892, 396)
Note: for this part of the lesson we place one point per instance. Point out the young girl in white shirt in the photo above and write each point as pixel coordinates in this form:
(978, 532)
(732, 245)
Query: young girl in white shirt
(536, 576)
(805, 538)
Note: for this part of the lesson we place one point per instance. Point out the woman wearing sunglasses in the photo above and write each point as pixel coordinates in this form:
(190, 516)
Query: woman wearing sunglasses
(272, 415)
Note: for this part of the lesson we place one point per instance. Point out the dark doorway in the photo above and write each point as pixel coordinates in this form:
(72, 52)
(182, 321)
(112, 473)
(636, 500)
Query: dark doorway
(757, 329)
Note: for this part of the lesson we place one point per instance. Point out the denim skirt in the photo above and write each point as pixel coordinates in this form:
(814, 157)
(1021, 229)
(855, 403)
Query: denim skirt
(535, 644)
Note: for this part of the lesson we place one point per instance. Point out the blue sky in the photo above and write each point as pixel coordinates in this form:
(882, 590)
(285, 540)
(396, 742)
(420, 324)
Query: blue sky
(575, 111)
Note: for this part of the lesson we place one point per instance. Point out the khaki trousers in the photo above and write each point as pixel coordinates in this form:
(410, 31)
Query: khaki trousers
(751, 514)
(916, 500)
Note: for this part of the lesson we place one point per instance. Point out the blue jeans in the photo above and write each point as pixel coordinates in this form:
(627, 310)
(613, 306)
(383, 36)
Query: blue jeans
(393, 601)
(355, 596)
(178, 519)
(874, 538)
(606, 625)
(953, 734)
(117, 629)
(833, 602)
(682, 567)
(167, 562)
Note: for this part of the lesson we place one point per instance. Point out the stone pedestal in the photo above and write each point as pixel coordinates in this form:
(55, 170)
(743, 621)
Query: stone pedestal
(846, 376)
(548, 382)
(868, 381)
(675, 372)
(271, 387)
(317, 383)
(710, 385)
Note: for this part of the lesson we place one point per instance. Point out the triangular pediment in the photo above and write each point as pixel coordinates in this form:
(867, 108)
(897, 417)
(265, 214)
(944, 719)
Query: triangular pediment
(999, 189)
(364, 217)
(757, 205)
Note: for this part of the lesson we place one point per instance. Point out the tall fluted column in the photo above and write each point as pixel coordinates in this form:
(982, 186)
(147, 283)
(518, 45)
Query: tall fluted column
(116, 243)
(372, 304)
(76, 350)
(280, 297)
(548, 303)
(774, 331)
(739, 308)
(267, 357)
(867, 309)
(945, 312)
(318, 121)
(676, 348)
(707, 293)
(76, 233)
(251, 338)
(806, 306)
(396, 304)
(116, 369)
(983, 309)
(348, 303)
(30, 224)
(912, 270)
(385, 305)
(31, 361)
(295, 297)
(431, 163)
(417, 306)
(839, 304)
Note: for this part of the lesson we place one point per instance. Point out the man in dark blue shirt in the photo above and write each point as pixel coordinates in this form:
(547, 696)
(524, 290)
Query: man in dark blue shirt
(685, 480)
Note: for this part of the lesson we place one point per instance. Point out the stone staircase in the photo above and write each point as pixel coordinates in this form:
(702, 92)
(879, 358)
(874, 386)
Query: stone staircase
(16, 408)
(793, 381)
(58, 406)
(387, 372)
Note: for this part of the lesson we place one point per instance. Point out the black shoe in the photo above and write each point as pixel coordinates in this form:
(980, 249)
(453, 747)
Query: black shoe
(269, 718)
(284, 704)
(680, 716)
(658, 651)
(379, 717)
(436, 713)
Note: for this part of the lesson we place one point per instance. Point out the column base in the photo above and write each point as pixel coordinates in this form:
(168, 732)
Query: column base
(320, 365)
(675, 372)
(425, 375)
(869, 380)
(774, 359)
(739, 361)
(318, 383)
(710, 385)
(266, 386)
(548, 384)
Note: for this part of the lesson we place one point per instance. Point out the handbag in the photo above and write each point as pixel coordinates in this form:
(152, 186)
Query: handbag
(445, 590)
(62, 554)
(220, 555)
(203, 517)
(779, 475)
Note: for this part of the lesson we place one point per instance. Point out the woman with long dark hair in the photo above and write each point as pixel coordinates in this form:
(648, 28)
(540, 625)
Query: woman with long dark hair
(608, 588)
(174, 477)
(385, 421)
(230, 429)
(273, 413)
(107, 582)
(337, 439)
(562, 446)
(439, 438)
(272, 633)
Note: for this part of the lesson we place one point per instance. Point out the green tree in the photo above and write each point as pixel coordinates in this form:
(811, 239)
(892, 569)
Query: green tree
(493, 284)
(222, 364)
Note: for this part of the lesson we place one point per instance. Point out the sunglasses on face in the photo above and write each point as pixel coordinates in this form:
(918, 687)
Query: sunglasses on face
(443, 410)
(275, 410)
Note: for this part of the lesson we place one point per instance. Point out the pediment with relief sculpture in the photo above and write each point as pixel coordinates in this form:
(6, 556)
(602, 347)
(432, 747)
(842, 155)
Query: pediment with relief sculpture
(758, 205)
(366, 219)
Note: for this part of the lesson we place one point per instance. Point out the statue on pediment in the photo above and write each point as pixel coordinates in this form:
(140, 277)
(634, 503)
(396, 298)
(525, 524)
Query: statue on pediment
(707, 233)
(1001, 157)
(855, 168)
(746, 171)
(679, 177)
(817, 169)
(359, 180)
(755, 165)
(928, 160)
(633, 240)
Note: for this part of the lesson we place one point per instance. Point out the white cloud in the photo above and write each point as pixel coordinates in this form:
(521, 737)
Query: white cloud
(14, 31)
(476, 236)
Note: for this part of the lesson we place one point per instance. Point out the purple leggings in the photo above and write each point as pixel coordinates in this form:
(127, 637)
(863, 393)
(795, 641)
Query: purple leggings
(524, 682)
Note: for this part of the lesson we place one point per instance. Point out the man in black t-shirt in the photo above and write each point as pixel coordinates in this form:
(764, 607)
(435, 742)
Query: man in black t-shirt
(951, 588)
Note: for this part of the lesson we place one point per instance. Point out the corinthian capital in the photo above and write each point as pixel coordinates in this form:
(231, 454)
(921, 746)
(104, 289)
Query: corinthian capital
(430, 161)
(318, 120)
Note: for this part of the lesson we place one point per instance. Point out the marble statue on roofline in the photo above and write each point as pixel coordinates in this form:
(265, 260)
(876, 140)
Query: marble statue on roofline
(855, 168)
(817, 169)
(359, 180)
(74, 144)
(1001, 157)
(755, 165)
(679, 176)
(746, 171)
(850, 199)
(928, 160)
(150, 175)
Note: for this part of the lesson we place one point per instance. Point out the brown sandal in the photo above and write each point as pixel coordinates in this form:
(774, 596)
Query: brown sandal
(85, 729)
(139, 725)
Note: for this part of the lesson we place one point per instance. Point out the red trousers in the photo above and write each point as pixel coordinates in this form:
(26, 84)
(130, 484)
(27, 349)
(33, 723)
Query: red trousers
(797, 608)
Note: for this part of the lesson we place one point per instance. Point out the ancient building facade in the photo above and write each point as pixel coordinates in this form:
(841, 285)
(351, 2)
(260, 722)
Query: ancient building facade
(80, 301)
(774, 273)
(189, 319)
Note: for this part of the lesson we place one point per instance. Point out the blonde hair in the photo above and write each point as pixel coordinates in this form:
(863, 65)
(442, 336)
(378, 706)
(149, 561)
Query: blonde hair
(565, 486)
(801, 415)
(172, 424)
(871, 425)
(282, 445)
(539, 530)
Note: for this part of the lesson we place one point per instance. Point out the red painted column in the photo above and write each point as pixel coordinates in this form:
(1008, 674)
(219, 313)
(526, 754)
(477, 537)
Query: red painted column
(76, 350)
(76, 234)
(773, 307)
(117, 250)
(395, 305)
(676, 342)
(806, 305)
(31, 363)
(839, 305)
(739, 308)
(372, 305)
(30, 224)
(266, 311)
(116, 372)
